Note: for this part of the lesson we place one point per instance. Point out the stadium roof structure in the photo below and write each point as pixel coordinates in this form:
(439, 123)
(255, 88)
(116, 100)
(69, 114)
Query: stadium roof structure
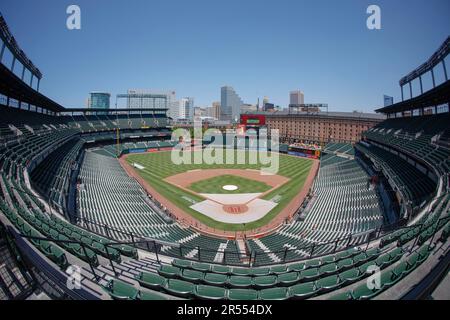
(13, 87)
(433, 61)
(434, 97)
(10, 42)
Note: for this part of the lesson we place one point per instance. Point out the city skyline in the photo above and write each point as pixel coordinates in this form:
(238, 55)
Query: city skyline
(342, 63)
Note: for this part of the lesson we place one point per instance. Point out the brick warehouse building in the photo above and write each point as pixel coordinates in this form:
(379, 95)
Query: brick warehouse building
(320, 127)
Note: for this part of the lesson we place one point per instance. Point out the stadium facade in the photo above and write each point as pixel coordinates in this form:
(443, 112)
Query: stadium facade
(321, 127)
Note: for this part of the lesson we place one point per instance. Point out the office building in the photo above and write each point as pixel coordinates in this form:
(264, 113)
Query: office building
(296, 97)
(186, 109)
(230, 104)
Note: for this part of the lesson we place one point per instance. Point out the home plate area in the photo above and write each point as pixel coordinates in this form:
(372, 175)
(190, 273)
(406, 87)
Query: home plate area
(229, 199)
(234, 208)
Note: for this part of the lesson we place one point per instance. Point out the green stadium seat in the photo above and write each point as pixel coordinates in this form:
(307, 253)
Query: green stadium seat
(150, 295)
(203, 267)
(413, 260)
(360, 258)
(296, 266)
(181, 263)
(369, 264)
(313, 263)
(215, 279)
(260, 271)
(126, 250)
(388, 279)
(328, 283)
(351, 275)
(265, 281)
(345, 264)
(328, 269)
(240, 281)
(179, 288)
(288, 279)
(327, 260)
(221, 269)
(169, 271)
(303, 290)
(374, 252)
(242, 294)
(362, 292)
(424, 252)
(241, 271)
(192, 275)
(210, 292)
(54, 253)
(151, 280)
(309, 274)
(274, 294)
(401, 269)
(278, 269)
(120, 290)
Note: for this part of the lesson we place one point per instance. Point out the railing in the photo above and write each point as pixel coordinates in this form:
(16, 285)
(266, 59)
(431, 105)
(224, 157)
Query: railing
(83, 246)
(155, 247)
(230, 257)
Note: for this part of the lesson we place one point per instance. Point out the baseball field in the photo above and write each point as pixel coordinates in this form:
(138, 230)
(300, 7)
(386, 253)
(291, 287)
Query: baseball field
(186, 184)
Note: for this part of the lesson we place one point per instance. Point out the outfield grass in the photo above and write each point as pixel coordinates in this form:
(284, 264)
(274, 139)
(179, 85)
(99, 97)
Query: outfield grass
(214, 185)
(159, 166)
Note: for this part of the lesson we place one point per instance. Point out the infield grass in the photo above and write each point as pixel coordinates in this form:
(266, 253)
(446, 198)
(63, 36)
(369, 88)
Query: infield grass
(215, 185)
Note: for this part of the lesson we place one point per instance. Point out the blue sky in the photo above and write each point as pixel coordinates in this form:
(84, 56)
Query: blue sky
(261, 48)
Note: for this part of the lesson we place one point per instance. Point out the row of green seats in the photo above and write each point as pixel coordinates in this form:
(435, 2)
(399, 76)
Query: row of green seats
(49, 249)
(287, 285)
(387, 278)
(47, 230)
(102, 242)
(50, 231)
(263, 277)
(325, 263)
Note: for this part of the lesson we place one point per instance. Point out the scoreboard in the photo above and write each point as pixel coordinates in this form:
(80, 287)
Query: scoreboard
(304, 152)
(253, 120)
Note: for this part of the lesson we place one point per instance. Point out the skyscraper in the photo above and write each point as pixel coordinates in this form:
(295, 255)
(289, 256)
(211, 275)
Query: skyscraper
(230, 104)
(296, 97)
(186, 108)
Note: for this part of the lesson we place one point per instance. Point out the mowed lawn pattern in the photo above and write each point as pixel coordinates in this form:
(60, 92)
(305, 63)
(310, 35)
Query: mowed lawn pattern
(215, 185)
(159, 166)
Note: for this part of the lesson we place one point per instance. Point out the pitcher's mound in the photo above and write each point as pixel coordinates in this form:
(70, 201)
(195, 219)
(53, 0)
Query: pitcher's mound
(235, 209)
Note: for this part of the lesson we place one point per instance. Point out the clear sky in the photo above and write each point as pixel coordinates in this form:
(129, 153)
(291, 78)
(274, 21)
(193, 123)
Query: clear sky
(261, 48)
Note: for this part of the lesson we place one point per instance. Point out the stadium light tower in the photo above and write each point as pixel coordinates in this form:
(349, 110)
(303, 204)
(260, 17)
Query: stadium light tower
(10, 43)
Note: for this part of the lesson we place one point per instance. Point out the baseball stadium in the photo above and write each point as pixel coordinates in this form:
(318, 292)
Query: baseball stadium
(95, 206)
